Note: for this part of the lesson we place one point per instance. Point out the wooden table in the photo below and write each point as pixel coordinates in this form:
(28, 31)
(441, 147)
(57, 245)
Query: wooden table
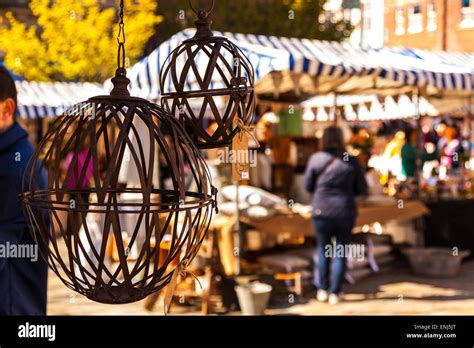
(296, 224)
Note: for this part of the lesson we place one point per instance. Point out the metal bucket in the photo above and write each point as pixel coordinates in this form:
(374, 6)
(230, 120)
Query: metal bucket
(253, 297)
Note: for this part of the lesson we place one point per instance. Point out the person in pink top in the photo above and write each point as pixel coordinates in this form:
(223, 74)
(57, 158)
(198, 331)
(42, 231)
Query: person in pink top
(76, 173)
(81, 159)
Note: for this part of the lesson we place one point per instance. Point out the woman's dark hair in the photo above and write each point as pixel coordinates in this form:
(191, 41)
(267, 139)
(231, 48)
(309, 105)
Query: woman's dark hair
(7, 86)
(333, 141)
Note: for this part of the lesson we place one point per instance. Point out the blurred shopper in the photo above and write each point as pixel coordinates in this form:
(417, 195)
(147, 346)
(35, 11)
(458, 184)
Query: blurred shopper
(23, 280)
(361, 143)
(429, 135)
(411, 153)
(77, 181)
(451, 152)
(440, 129)
(75, 174)
(393, 158)
(334, 178)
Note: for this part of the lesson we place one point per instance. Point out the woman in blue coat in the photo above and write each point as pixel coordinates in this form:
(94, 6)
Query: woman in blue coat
(334, 178)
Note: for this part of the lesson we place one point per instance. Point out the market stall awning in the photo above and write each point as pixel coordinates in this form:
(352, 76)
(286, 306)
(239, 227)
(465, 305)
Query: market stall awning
(48, 99)
(310, 67)
(367, 107)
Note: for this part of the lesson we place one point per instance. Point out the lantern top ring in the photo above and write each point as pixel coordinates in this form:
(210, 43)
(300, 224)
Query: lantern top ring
(210, 37)
(201, 11)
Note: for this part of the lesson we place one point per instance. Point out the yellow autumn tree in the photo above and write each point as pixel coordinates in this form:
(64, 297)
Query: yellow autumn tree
(75, 40)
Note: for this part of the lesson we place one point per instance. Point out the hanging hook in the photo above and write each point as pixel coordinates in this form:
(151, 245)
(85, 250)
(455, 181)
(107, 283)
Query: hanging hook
(200, 10)
(203, 23)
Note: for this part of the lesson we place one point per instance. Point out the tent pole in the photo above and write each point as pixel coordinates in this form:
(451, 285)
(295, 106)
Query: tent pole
(470, 120)
(418, 145)
(335, 108)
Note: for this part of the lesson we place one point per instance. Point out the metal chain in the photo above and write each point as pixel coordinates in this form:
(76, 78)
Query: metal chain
(121, 39)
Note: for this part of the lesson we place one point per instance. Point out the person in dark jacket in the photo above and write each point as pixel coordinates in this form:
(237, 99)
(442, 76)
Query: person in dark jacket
(334, 178)
(23, 275)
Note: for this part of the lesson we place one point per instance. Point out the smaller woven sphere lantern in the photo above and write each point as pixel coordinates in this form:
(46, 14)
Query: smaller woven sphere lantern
(208, 79)
(116, 227)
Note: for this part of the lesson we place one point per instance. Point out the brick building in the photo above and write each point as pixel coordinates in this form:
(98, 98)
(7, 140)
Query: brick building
(430, 24)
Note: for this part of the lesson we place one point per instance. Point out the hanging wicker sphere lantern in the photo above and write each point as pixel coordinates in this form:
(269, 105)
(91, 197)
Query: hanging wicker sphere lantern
(113, 233)
(208, 79)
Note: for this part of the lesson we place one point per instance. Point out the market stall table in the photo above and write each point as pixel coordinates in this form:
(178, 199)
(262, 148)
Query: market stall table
(297, 224)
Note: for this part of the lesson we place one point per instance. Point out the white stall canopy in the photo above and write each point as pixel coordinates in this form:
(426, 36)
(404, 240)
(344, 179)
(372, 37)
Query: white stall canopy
(367, 107)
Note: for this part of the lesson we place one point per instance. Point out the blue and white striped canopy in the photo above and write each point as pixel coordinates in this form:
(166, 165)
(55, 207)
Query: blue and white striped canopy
(286, 65)
(319, 67)
(48, 99)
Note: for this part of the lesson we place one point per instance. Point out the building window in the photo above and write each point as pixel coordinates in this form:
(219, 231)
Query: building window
(399, 21)
(415, 19)
(467, 13)
(431, 16)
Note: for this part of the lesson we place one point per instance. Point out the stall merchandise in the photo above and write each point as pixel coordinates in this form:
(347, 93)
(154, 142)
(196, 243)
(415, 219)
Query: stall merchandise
(299, 223)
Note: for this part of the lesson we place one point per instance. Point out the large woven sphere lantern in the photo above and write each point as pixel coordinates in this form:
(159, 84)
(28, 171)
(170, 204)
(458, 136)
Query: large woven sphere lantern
(208, 79)
(114, 234)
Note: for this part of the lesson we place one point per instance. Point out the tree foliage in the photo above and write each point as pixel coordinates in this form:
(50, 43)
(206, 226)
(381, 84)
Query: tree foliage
(289, 18)
(75, 40)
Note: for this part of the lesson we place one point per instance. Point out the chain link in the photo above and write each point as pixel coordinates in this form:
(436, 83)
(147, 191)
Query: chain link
(121, 39)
